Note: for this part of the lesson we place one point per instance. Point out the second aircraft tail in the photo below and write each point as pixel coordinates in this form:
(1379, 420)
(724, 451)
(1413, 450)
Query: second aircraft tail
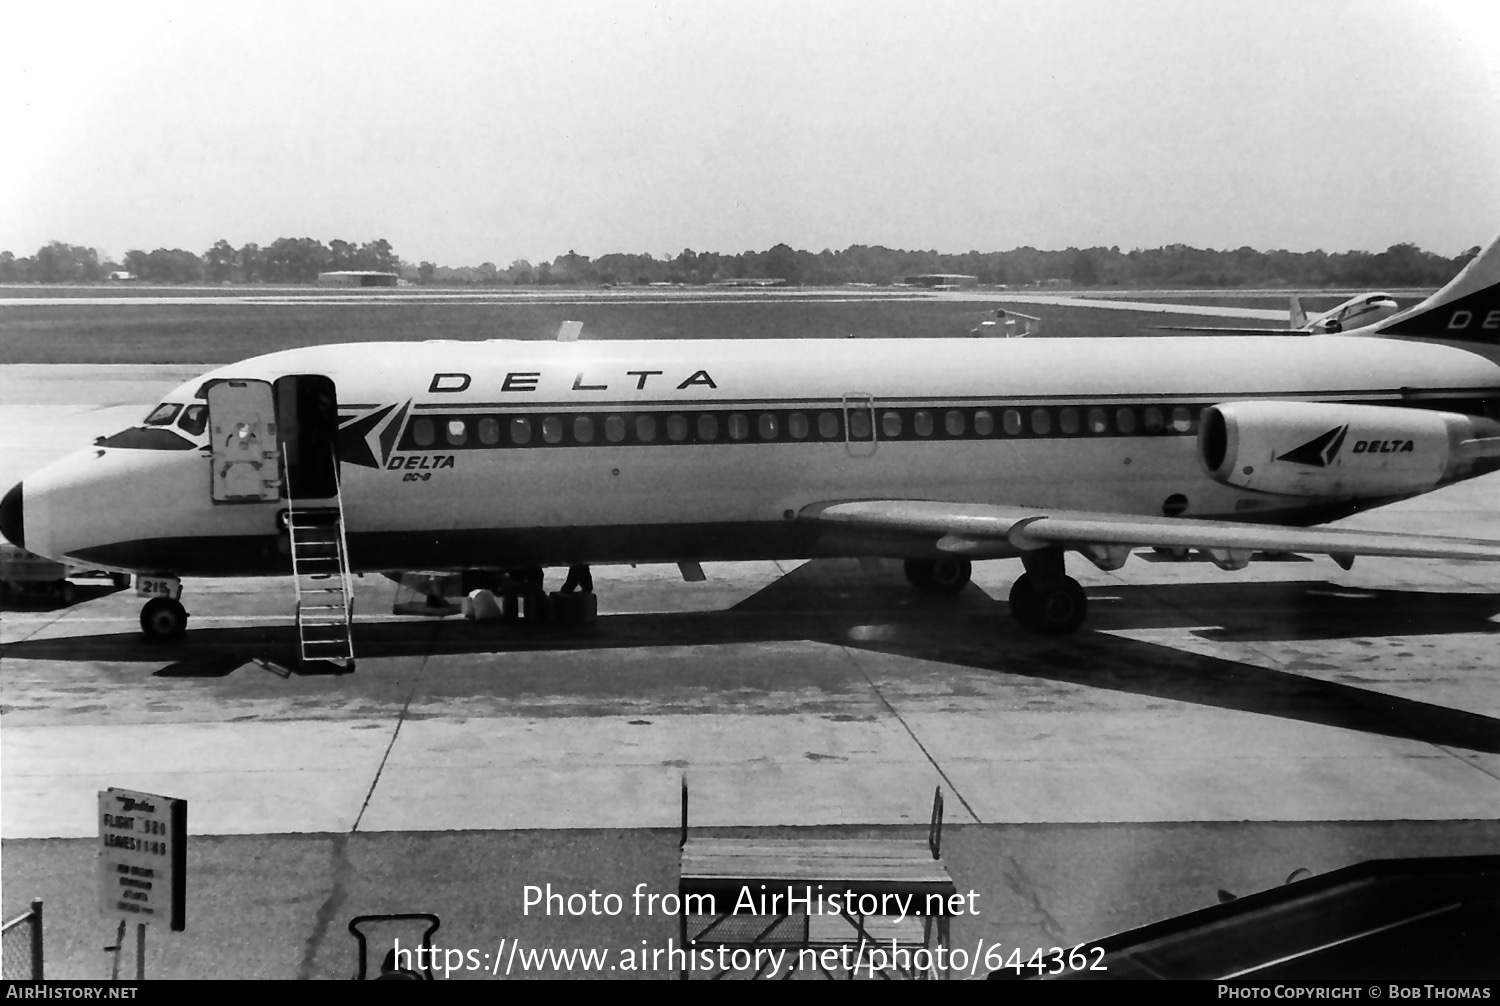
(1298, 318)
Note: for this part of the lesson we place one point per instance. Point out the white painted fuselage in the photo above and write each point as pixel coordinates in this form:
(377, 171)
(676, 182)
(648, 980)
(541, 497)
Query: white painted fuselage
(503, 453)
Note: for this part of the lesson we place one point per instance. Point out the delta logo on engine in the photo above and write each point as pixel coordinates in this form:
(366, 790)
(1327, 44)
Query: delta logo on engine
(1322, 450)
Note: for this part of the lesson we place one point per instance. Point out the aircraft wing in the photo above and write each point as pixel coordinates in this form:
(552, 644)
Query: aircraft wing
(980, 530)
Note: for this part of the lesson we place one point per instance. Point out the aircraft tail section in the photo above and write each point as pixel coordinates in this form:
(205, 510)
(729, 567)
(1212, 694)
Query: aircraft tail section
(1299, 316)
(1466, 310)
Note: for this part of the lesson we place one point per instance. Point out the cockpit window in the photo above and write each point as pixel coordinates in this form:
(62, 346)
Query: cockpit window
(143, 439)
(163, 414)
(194, 419)
(157, 432)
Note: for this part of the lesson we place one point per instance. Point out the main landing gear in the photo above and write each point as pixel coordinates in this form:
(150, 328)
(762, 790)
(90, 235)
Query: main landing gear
(1052, 612)
(163, 620)
(1045, 599)
(939, 576)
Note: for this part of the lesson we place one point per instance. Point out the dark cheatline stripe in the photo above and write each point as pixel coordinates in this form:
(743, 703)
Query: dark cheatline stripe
(461, 429)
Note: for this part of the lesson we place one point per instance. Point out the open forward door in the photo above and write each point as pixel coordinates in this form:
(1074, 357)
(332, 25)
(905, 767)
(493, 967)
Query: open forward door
(246, 454)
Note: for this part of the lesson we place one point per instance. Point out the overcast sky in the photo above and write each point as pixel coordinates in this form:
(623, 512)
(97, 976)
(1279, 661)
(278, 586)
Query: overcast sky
(471, 132)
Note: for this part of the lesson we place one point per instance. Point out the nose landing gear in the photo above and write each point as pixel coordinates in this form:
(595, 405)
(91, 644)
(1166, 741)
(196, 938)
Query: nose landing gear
(163, 619)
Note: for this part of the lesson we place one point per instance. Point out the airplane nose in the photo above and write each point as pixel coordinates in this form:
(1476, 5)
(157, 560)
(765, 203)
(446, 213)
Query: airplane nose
(12, 526)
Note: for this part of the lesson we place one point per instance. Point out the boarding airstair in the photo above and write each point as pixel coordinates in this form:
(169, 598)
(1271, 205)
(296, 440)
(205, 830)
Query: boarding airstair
(325, 588)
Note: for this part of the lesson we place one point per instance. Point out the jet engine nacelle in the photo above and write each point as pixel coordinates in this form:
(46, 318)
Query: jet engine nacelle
(1350, 451)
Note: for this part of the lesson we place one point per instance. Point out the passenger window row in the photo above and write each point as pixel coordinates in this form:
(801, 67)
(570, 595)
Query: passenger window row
(785, 425)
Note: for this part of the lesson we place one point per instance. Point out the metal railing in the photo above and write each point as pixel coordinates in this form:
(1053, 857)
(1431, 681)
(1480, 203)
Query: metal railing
(21, 945)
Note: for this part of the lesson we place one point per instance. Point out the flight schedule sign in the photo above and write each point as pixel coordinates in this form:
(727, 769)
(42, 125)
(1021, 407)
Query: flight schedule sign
(143, 857)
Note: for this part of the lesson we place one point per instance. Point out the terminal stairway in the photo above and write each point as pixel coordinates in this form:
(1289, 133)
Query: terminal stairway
(320, 570)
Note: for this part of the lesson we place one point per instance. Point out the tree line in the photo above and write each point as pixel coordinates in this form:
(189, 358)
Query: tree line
(285, 260)
(300, 260)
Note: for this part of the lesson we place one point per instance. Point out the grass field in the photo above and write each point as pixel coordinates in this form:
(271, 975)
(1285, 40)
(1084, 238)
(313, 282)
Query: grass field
(216, 333)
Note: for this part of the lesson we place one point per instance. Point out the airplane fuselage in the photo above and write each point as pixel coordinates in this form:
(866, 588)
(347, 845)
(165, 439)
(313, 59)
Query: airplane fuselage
(513, 453)
(1355, 313)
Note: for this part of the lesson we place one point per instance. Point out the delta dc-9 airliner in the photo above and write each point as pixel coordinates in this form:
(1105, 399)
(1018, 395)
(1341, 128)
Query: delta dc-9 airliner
(499, 455)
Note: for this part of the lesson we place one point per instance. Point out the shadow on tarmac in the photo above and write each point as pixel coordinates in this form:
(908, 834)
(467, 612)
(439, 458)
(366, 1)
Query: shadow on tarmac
(37, 601)
(833, 602)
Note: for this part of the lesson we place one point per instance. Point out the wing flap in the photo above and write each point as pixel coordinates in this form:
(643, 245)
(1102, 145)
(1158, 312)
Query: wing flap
(978, 528)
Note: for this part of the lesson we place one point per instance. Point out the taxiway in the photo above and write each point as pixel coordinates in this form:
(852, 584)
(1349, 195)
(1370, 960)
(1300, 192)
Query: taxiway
(1207, 730)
